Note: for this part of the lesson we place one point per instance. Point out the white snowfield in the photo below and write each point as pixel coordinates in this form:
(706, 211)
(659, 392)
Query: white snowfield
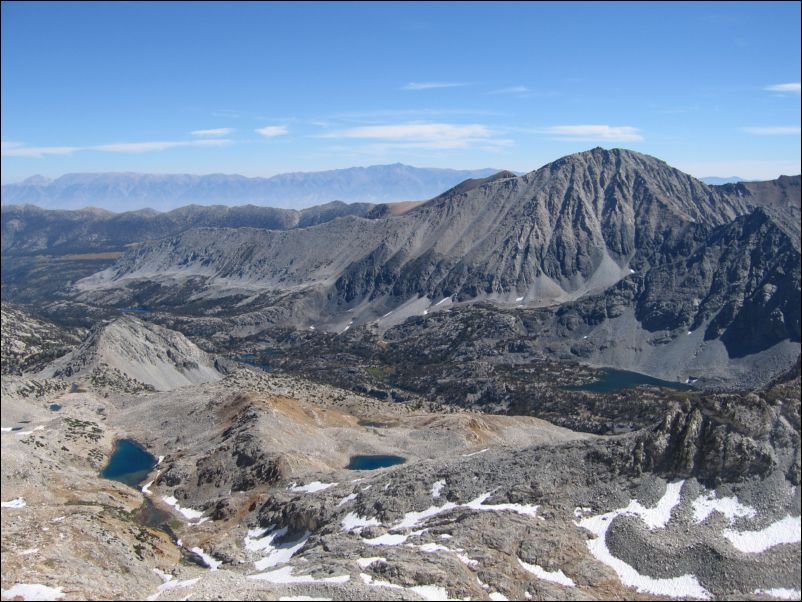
(781, 593)
(312, 487)
(284, 576)
(353, 521)
(188, 513)
(785, 530)
(32, 591)
(210, 561)
(15, 503)
(730, 507)
(554, 576)
(437, 487)
(263, 541)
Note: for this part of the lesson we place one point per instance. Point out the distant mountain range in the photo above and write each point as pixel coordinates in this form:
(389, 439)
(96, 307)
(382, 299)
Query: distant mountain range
(716, 181)
(163, 192)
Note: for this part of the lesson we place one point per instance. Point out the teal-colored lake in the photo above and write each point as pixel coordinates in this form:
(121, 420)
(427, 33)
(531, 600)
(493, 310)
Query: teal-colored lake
(615, 380)
(374, 462)
(130, 463)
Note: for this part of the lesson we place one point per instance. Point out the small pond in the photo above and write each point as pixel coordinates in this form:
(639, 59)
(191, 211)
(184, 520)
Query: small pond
(54, 407)
(129, 463)
(615, 380)
(373, 462)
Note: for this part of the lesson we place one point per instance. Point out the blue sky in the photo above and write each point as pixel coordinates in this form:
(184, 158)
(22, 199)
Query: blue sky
(260, 89)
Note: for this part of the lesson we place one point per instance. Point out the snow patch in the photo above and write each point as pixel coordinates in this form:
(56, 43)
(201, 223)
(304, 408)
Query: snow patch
(25, 433)
(188, 513)
(15, 503)
(260, 540)
(730, 507)
(366, 562)
(554, 576)
(284, 576)
(369, 580)
(479, 505)
(430, 592)
(32, 591)
(476, 453)
(346, 499)
(353, 521)
(210, 561)
(432, 547)
(780, 592)
(437, 487)
(312, 487)
(170, 584)
(413, 519)
(786, 530)
(391, 539)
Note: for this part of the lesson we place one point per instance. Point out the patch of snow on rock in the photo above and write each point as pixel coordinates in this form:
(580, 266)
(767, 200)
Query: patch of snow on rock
(353, 521)
(348, 498)
(32, 591)
(210, 561)
(15, 503)
(786, 530)
(312, 487)
(781, 593)
(554, 576)
(730, 507)
(284, 576)
(188, 513)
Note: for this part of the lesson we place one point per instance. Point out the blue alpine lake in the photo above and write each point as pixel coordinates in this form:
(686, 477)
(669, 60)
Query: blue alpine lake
(374, 462)
(615, 380)
(129, 463)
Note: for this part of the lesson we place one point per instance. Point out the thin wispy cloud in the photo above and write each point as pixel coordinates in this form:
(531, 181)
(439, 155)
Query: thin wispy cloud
(511, 90)
(790, 88)
(16, 149)
(271, 131)
(424, 135)
(433, 85)
(773, 130)
(592, 133)
(213, 132)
